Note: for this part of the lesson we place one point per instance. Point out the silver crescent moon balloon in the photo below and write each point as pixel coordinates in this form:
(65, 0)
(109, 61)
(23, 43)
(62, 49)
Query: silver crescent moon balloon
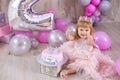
(21, 16)
(19, 44)
(56, 38)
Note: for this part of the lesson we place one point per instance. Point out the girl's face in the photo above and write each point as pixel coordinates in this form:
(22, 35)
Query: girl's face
(84, 33)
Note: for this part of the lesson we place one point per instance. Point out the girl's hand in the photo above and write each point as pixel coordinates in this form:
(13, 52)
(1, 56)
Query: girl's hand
(90, 40)
(69, 36)
(63, 74)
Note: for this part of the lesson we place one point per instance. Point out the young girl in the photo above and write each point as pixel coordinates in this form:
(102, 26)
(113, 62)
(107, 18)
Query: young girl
(83, 54)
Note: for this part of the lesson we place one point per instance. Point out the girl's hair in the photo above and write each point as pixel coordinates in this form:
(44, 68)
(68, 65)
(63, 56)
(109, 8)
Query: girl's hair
(84, 22)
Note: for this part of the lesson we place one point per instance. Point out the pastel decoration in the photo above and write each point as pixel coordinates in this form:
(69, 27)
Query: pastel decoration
(97, 13)
(90, 8)
(96, 2)
(97, 19)
(22, 16)
(93, 18)
(88, 14)
(56, 38)
(104, 6)
(4, 30)
(34, 43)
(19, 45)
(43, 36)
(103, 40)
(27, 33)
(85, 2)
(61, 24)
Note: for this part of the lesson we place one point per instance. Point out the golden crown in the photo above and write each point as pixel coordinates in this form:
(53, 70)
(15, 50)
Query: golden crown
(85, 18)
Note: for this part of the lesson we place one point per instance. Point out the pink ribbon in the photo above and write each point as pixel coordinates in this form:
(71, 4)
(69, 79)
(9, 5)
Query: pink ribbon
(5, 30)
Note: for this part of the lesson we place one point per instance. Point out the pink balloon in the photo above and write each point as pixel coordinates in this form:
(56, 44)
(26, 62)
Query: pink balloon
(43, 36)
(97, 13)
(53, 11)
(97, 19)
(90, 8)
(27, 33)
(88, 14)
(96, 2)
(102, 40)
(117, 65)
(61, 24)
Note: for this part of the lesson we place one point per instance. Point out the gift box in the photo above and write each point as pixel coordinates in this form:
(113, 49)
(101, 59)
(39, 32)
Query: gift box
(4, 30)
(2, 19)
(7, 38)
(52, 70)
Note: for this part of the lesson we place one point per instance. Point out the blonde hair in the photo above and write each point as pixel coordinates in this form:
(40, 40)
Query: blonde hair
(84, 22)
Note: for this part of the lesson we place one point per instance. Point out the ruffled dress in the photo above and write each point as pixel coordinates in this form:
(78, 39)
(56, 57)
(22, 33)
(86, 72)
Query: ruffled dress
(83, 57)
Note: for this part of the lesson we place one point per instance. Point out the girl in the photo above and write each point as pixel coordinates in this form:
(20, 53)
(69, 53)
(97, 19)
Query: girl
(83, 54)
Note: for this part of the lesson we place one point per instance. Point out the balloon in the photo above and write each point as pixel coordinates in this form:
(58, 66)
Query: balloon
(34, 43)
(22, 16)
(97, 13)
(85, 2)
(72, 28)
(19, 44)
(27, 33)
(96, 2)
(104, 6)
(43, 36)
(102, 40)
(88, 14)
(60, 24)
(90, 8)
(105, 13)
(93, 18)
(52, 11)
(97, 19)
(117, 65)
(56, 38)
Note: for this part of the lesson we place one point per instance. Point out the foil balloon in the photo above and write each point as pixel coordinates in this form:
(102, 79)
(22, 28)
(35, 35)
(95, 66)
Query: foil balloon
(56, 38)
(19, 44)
(21, 16)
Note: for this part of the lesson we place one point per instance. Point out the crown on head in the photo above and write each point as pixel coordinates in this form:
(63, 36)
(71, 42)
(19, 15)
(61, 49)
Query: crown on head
(85, 18)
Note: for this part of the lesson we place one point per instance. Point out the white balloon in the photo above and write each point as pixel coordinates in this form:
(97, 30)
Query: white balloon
(104, 6)
(85, 2)
(56, 38)
(20, 44)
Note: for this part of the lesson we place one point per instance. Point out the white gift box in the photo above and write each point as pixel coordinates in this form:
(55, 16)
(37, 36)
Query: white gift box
(51, 69)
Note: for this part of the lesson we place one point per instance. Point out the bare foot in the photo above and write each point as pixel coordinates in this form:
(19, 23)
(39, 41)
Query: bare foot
(63, 74)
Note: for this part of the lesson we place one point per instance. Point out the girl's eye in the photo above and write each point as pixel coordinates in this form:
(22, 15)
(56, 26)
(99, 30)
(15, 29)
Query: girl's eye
(81, 29)
(86, 30)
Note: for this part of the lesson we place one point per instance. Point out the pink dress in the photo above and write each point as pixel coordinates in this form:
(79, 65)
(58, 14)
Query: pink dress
(84, 57)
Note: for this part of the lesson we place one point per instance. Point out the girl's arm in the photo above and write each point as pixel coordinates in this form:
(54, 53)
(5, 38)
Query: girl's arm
(69, 36)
